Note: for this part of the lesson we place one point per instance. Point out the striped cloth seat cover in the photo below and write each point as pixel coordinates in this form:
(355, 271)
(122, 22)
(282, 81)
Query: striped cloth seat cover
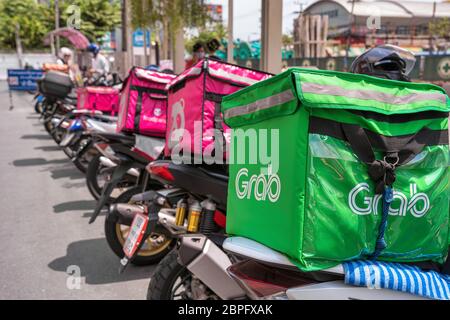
(400, 277)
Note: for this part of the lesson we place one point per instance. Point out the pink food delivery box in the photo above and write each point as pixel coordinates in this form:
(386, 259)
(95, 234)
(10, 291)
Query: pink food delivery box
(105, 99)
(194, 98)
(143, 103)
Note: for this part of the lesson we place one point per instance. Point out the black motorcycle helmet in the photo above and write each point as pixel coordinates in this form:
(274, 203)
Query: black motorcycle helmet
(386, 61)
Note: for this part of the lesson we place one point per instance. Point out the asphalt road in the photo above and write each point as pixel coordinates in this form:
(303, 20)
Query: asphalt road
(44, 210)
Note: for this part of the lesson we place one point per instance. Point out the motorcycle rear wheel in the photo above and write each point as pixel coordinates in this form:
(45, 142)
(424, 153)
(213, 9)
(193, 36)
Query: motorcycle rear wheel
(170, 276)
(116, 234)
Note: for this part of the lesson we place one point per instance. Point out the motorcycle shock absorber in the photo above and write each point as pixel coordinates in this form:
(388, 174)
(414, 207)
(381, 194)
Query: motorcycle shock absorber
(207, 224)
(180, 213)
(195, 211)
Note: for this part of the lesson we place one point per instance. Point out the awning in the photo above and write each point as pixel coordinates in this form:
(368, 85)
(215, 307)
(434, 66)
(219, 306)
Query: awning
(75, 37)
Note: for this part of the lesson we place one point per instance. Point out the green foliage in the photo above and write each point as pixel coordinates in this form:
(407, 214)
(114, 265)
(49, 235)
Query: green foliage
(440, 28)
(178, 13)
(97, 16)
(27, 14)
(218, 32)
(287, 40)
(36, 20)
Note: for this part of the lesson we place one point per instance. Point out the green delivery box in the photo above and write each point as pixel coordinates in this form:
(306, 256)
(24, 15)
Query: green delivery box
(340, 146)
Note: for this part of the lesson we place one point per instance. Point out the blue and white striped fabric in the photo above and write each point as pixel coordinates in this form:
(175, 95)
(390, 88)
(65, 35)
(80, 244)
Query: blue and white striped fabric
(400, 277)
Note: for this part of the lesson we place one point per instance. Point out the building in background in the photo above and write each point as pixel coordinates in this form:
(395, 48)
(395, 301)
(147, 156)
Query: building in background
(367, 23)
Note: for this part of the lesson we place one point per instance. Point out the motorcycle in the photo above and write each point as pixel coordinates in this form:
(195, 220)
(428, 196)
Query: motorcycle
(130, 154)
(194, 200)
(76, 130)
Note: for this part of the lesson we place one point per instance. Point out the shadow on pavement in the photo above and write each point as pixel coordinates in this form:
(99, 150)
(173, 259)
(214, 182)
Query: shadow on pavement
(36, 136)
(36, 162)
(97, 263)
(101, 214)
(74, 206)
(71, 173)
(48, 148)
(77, 185)
(34, 116)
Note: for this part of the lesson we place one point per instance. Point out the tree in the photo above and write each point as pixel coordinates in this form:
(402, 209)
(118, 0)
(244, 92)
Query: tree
(287, 40)
(170, 16)
(35, 20)
(218, 32)
(97, 16)
(27, 15)
(440, 28)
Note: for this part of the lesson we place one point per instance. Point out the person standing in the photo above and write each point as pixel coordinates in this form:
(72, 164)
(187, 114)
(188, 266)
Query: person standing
(100, 64)
(197, 55)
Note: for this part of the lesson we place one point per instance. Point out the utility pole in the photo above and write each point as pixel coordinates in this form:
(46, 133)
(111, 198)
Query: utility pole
(271, 35)
(230, 46)
(349, 35)
(127, 38)
(18, 45)
(57, 23)
(430, 40)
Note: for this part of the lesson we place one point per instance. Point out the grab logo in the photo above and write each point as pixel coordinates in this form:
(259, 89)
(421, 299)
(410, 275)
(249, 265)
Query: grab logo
(262, 187)
(418, 204)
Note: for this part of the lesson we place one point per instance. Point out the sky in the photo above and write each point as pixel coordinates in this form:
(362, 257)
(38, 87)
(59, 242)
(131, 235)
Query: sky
(247, 15)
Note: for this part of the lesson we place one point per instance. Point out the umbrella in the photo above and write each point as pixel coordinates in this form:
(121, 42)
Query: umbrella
(75, 37)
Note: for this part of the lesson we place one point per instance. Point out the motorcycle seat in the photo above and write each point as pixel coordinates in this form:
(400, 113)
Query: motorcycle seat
(115, 137)
(198, 180)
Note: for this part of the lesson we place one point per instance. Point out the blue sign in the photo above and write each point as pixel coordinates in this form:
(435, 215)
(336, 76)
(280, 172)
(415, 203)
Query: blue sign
(22, 79)
(138, 38)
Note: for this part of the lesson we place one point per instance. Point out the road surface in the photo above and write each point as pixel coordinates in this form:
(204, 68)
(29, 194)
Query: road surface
(44, 230)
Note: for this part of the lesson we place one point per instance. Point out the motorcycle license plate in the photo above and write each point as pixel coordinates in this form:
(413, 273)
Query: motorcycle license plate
(67, 140)
(64, 124)
(136, 234)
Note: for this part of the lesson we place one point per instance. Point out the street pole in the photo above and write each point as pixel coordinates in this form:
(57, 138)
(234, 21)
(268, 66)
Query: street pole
(230, 46)
(178, 55)
(349, 35)
(430, 40)
(271, 35)
(18, 45)
(127, 38)
(57, 23)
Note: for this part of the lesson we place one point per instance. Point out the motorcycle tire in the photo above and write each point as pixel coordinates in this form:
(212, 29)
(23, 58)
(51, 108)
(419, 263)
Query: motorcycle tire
(163, 284)
(92, 178)
(165, 276)
(38, 108)
(116, 241)
(82, 163)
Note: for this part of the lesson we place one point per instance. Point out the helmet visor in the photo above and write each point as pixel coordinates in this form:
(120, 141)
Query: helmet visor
(382, 52)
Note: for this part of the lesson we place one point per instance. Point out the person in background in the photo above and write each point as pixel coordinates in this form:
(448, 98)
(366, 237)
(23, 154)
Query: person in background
(64, 57)
(213, 45)
(100, 64)
(198, 54)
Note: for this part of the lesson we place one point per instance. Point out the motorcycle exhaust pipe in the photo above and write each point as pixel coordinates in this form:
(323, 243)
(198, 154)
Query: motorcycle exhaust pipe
(124, 213)
(110, 164)
(204, 259)
(107, 162)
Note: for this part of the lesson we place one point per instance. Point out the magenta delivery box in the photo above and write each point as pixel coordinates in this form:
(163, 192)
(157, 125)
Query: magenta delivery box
(105, 99)
(194, 99)
(143, 102)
